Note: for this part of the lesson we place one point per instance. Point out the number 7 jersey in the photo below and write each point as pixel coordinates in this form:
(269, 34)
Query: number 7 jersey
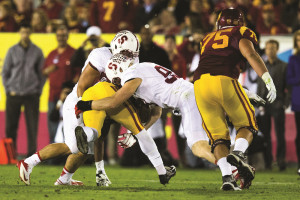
(220, 53)
(159, 85)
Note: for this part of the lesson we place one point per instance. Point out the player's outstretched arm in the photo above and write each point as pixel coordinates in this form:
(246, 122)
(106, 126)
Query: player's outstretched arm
(114, 101)
(119, 97)
(248, 51)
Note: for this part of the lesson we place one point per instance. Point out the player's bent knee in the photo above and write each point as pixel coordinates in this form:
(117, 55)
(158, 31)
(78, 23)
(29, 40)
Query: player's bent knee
(199, 148)
(218, 142)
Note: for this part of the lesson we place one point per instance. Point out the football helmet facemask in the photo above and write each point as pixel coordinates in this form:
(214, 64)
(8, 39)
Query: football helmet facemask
(125, 42)
(230, 17)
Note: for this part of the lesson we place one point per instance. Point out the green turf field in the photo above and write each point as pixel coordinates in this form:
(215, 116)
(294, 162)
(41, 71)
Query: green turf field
(142, 183)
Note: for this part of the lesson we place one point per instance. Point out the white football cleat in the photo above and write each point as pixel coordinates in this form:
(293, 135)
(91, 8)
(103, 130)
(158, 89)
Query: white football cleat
(25, 171)
(71, 182)
(102, 179)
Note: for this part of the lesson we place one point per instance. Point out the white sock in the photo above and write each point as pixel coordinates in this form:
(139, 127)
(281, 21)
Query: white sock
(100, 166)
(149, 148)
(241, 144)
(33, 160)
(65, 176)
(224, 166)
(161, 169)
(91, 133)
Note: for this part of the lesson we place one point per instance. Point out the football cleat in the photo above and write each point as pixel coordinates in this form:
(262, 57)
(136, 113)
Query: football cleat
(102, 179)
(247, 172)
(229, 183)
(71, 182)
(81, 138)
(25, 171)
(171, 171)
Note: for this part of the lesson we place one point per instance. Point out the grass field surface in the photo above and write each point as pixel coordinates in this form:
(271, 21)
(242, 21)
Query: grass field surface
(143, 183)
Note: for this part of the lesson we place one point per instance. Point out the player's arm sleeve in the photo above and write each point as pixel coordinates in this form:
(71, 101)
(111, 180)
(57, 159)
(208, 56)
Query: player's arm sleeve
(130, 74)
(96, 60)
(247, 33)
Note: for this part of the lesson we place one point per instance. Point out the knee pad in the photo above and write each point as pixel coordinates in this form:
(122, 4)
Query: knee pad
(220, 141)
(250, 128)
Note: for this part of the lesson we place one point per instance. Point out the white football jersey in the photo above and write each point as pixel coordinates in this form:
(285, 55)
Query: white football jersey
(98, 58)
(159, 85)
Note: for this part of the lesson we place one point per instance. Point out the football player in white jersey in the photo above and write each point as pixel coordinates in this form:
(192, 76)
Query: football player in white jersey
(157, 85)
(124, 42)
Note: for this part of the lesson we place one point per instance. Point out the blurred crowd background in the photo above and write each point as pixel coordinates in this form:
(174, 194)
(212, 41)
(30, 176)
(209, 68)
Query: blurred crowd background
(164, 16)
(182, 24)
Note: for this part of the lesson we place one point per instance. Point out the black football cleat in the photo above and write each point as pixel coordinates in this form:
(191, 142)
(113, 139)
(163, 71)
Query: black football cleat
(81, 138)
(247, 172)
(171, 171)
(229, 183)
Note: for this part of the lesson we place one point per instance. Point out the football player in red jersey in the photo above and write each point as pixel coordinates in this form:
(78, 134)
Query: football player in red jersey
(217, 92)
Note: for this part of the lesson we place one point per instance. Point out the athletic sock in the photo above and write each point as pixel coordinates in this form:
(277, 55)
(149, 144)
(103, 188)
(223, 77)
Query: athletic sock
(224, 166)
(65, 176)
(100, 166)
(241, 144)
(91, 133)
(33, 160)
(161, 169)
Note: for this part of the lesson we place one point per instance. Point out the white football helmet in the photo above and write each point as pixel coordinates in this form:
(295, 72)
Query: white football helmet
(125, 42)
(116, 66)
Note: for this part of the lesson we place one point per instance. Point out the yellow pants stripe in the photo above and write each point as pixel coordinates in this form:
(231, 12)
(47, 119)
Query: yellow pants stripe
(132, 113)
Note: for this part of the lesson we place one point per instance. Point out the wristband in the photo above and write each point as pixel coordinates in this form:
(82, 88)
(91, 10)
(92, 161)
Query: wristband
(84, 105)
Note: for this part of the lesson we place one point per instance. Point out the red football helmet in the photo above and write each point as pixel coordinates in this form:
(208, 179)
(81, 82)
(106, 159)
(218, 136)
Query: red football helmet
(230, 17)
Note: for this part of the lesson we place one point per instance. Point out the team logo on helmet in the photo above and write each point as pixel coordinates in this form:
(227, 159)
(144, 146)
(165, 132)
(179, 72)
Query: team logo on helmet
(230, 17)
(116, 66)
(125, 42)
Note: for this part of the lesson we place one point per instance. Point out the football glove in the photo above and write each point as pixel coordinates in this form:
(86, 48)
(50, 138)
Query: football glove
(255, 98)
(126, 140)
(270, 86)
(84, 105)
(77, 112)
